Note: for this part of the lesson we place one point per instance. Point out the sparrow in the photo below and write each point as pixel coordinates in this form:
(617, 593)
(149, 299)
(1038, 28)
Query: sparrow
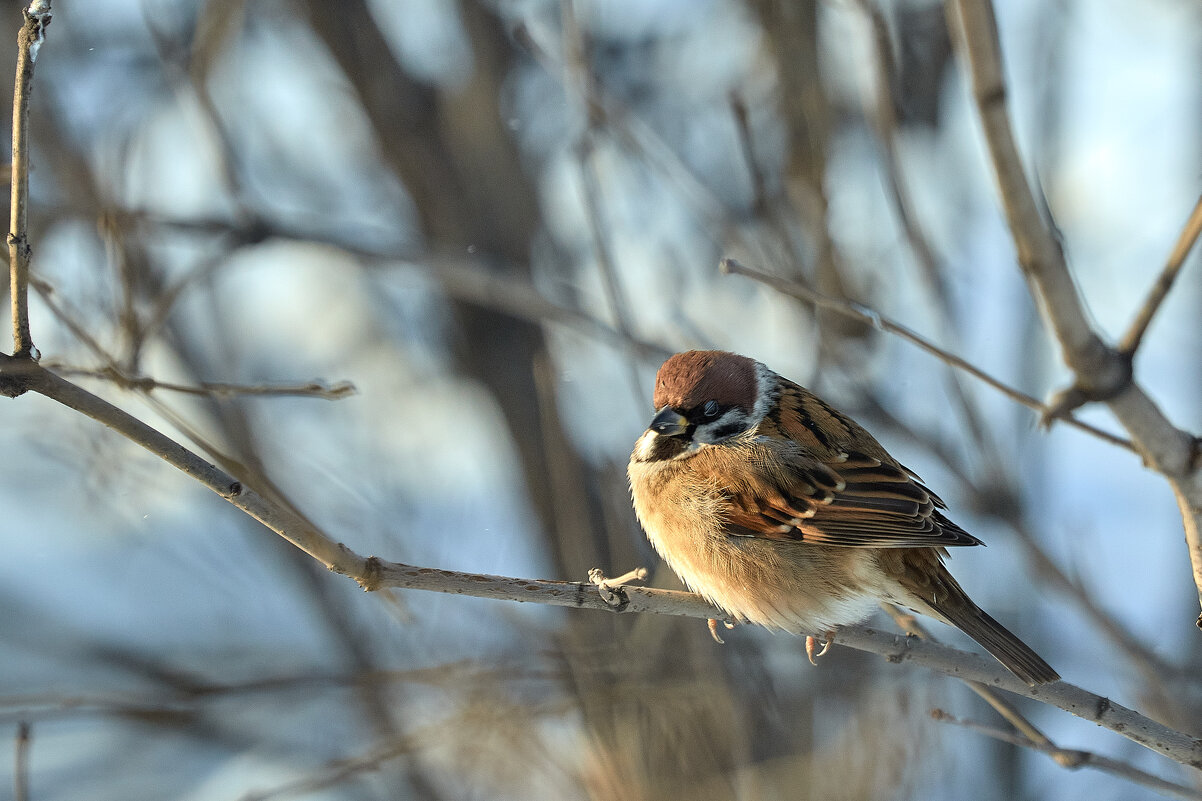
(780, 510)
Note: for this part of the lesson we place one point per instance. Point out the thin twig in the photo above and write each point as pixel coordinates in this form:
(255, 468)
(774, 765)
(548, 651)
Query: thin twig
(212, 389)
(984, 497)
(1074, 759)
(881, 113)
(882, 323)
(21, 762)
(584, 83)
(29, 42)
(759, 188)
(1164, 282)
(338, 771)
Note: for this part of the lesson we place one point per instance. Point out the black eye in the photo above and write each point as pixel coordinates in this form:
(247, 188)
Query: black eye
(710, 409)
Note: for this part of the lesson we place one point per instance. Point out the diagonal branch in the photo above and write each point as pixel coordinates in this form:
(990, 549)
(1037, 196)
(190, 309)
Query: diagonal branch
(1101, 372)
(335, 556)
(1075, 759)
(879, 321)
(21, 762)
(1027, 735)
(1164, 282)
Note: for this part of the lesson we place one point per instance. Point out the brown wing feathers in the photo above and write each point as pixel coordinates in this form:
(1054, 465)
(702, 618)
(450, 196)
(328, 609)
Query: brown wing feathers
(834, 495)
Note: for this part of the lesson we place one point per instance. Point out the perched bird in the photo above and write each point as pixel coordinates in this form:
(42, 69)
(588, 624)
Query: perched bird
(782, 511)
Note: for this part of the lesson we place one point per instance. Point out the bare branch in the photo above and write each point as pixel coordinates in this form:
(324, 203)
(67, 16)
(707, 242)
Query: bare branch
(316, 388)
(1101, 372)
(1039, 253)
(880, 111)
(21, 762)
(1164, 282)
(29, 41)
(1074, 759)
(880, 322)
(338, 771)
(465, 280)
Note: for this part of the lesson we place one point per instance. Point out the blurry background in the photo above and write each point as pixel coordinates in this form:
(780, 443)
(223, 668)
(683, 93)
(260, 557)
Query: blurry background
(495, 219)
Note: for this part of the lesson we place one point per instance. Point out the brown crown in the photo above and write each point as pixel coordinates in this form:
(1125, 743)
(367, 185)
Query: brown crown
(689, 379)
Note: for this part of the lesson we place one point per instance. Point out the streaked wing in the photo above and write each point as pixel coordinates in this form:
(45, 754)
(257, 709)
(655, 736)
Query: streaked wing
(869, 505)
(829, 493)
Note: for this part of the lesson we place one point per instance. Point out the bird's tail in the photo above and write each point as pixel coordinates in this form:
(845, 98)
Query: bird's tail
(1012, 652)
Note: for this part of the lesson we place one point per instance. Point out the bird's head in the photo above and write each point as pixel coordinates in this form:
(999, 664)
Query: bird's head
(704, 397)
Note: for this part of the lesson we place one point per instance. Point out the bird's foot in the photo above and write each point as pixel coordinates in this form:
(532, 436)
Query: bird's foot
(714, 623)
(828, 637)
(605, 586)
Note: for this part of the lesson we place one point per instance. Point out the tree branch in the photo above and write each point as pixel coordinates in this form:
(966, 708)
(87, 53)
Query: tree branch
(1074, 759)
(1101, 372)
(1164, 282)
(21, 762)
(29, 41)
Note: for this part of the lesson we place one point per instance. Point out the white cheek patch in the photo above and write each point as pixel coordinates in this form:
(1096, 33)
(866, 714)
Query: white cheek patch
(766, 392)
(651, 447)
(644, 447)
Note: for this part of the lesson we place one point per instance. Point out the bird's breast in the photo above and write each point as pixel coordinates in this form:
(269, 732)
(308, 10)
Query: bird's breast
(783, 585)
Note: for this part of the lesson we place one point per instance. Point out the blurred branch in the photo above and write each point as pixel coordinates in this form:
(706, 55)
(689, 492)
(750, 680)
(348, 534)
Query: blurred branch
(621, 122)
(1164, 282)
(212, 389)
(576, 58)
(884, 119)
(875, 319)
(519, 298)
(29, 41)
(1101, 372)
(761, 205)
(1074, 759)
(21, 762)
(338, 771)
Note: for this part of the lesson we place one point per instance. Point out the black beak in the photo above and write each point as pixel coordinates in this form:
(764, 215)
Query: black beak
(669, 423)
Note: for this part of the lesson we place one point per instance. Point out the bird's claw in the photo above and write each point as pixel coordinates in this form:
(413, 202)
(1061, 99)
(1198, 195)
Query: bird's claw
(713, 624)
(812, 643)
(605, 586)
